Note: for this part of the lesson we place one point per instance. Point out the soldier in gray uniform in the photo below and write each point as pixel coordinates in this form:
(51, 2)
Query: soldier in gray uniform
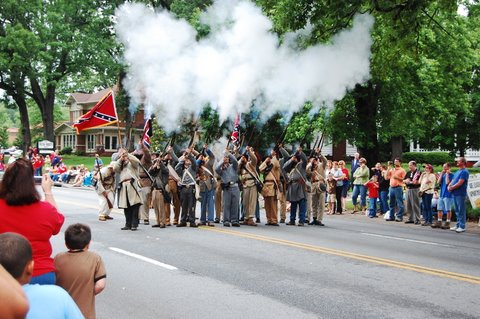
(296, 188)
(187, 171)
(227, 170)
(159, 172)
(105, 189)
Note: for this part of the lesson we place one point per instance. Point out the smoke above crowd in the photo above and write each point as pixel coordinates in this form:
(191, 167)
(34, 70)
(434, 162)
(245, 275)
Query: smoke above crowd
(240, 64)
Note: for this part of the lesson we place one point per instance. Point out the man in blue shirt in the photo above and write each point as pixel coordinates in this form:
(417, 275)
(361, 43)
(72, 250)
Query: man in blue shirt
(458, 188)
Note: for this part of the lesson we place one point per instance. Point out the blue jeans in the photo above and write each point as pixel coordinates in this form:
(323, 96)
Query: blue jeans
(362, 190)
(372, 210)
(38, 172)
(46, 279)
(207, 203)
(396, 199)
(460, 210)
(427, 207)
(383, 201)
(293, 210)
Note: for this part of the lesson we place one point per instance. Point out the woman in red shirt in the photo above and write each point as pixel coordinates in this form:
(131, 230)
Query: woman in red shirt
(22, 212)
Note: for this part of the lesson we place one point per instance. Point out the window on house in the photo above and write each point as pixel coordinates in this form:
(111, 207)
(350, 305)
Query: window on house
(69, 141)
(111, 142)
(91, 145)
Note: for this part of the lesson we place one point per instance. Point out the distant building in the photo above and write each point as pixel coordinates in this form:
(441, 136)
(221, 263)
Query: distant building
(12, 135)
(98, 140)
(472, 156)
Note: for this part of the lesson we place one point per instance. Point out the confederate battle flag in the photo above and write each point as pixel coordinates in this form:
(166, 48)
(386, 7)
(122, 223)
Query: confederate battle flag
(103, 113)
(236, 131)
(147, 133)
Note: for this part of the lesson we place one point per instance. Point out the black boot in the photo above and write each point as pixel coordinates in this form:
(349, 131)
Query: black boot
(313, 222)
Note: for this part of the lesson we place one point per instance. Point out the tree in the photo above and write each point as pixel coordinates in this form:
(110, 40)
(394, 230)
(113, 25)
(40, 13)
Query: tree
(44, 44)
(418, 67)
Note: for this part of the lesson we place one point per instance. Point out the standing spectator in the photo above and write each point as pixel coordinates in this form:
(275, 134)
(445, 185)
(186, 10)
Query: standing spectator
(412, 181)
(331, 198)
(80, 271)
(458, 188)
(427, 187)
(372, 186)
(346, 184)
(38, 161)
(46, 301)
(361, 176)
(39, 220)
(355, 163)
(445, 200)
(339, 177)
(383, 183)
(98, 163)
(396, 175)
(129, 193)
(2, 163)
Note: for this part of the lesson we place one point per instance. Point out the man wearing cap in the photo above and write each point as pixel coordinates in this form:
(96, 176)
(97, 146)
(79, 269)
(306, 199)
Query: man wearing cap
(445, 200)
(187, 171)
(227, 170)
(316, 174)
(271, 187)
(458, 188)
(249, 179)
(296, 189)
(143, 154)
(159, 173)
(105, 189)
(412, 198)
(170, 160)
(207, 184)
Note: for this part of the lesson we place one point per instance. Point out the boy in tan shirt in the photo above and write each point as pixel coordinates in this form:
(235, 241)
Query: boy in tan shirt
(79, 271)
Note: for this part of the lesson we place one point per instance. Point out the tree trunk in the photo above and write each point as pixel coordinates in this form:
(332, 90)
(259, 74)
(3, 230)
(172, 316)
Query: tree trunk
(26, 135)
(397, 147)
(366, 105)
(46, 105)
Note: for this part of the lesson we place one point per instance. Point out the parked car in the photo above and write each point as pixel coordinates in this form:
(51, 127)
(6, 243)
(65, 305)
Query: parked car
(8, 151)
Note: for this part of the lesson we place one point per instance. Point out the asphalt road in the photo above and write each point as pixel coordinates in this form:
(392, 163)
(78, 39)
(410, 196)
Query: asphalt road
(355, 267)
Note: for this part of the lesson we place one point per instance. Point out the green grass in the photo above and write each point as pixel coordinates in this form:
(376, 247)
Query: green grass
(87, 161)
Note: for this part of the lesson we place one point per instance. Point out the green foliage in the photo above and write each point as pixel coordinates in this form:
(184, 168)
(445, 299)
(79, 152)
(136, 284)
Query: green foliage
(434, 158)
(66, 151)
(79, 153)
(3, 136)
(473, 214)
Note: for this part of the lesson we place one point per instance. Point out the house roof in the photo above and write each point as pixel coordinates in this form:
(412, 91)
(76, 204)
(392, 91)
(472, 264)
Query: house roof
(89, 98)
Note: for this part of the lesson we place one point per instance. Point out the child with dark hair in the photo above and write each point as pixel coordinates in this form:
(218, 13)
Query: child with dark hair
(79, 271)
(46, 301)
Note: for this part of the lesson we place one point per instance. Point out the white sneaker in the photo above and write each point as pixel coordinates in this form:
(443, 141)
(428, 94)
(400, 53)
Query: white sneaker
(460, 230)
(454, 228)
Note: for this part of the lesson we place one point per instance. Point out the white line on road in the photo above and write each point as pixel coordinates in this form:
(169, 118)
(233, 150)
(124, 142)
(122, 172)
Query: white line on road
(148, 260)
(405, 239)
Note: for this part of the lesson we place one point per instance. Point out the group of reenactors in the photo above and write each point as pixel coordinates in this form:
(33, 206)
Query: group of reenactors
(228, 188)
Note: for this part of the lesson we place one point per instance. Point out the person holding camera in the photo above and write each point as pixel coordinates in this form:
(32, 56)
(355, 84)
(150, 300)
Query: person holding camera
(39, 219)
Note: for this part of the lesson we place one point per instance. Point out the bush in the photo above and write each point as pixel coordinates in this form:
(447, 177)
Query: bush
(66, 151)
(434, 158)
(473, 213)
(80, 153)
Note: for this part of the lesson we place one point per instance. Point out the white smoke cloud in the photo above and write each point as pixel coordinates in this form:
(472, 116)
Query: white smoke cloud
(240, 63)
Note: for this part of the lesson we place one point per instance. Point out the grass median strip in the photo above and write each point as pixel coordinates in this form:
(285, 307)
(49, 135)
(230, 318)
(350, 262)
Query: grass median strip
(340, 253)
